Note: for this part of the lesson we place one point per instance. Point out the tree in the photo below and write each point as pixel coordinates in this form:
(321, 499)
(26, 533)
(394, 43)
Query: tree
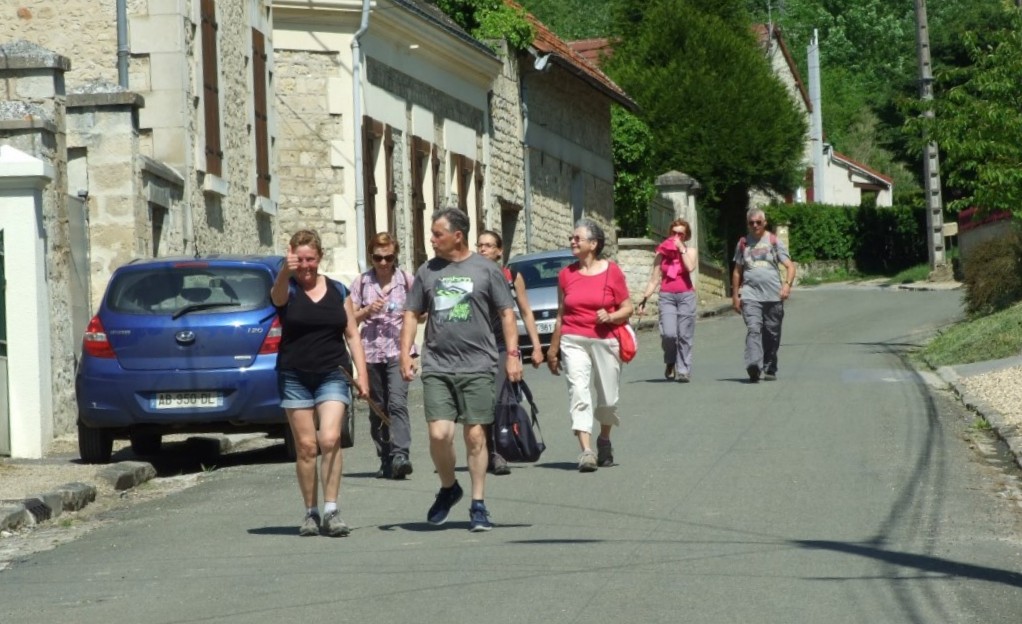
(717, 111)
(978, 122)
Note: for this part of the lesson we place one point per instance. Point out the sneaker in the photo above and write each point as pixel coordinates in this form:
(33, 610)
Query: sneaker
(604, 453)
(768, 376)
(498, 465)
(445, 499)
(479, 518)
(385, 471)
(753, 371)
(400, 467)
(310, 526)
(669, 372)
(682, 378)
(587, 461)
(333, 526)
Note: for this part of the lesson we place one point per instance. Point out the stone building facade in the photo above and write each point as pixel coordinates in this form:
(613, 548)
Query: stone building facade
(177, 161)
(424, 128)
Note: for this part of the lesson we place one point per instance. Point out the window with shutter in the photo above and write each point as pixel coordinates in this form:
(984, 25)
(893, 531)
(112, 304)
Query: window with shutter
(420, 153)
(262, 135)
(211, 88)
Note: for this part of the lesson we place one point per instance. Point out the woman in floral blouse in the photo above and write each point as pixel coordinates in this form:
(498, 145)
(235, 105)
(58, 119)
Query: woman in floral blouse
(379, 299)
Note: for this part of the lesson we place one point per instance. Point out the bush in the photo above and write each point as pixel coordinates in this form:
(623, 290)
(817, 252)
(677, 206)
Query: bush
(879, 240)
(993, 275)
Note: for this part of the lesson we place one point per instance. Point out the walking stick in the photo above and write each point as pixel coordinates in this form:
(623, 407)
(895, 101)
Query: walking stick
(373, 405)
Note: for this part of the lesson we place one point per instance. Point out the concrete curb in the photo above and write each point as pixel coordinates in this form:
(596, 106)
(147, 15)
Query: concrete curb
(17, 514)
(997, 421)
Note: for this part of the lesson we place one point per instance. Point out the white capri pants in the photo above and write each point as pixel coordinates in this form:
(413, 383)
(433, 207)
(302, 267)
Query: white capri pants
(591, 361)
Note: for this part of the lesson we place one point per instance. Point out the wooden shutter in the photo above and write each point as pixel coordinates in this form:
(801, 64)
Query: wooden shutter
(262, 135)
(372, 132)
(420, 151)
(480, 186)
(211, 88)
(388, 156)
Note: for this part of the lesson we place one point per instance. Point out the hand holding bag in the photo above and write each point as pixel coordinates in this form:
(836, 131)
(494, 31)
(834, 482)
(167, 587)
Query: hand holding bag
(514, 429)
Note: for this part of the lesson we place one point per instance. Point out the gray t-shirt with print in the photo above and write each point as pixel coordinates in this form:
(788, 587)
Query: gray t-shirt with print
(761, 260)
(461, 298)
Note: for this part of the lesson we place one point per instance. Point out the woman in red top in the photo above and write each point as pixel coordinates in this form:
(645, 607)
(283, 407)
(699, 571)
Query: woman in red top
(672, 272)
(593, 298)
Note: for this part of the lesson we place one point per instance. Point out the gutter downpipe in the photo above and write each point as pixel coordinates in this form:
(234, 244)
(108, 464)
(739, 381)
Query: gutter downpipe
(356, 76)
(527, 200)
(122, 43)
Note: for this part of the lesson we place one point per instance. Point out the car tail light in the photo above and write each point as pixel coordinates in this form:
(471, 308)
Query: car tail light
(95, 342)
(271, 344)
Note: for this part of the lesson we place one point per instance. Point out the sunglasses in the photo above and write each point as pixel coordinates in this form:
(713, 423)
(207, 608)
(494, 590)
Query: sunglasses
(575, 238)
(387, 258)
(677, 233)
(757, 222)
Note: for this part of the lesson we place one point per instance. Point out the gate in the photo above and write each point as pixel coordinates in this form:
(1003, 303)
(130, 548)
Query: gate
(81, 298)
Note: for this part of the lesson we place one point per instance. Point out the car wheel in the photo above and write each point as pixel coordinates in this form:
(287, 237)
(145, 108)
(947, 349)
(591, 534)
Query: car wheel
(289, 444)
(95, 445)
(145, 443)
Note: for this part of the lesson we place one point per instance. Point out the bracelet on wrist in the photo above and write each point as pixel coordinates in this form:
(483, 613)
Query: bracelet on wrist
(514, 353)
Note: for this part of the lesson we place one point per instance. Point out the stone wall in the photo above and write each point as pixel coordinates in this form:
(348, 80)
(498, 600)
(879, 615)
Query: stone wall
(308, 178)
(34, 121)
(507, 162)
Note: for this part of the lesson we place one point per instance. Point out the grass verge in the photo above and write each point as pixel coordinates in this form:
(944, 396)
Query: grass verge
(990, 337)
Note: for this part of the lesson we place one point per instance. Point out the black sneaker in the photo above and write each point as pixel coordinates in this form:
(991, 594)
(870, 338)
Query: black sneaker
(479, 518)
(385, 471)
(445, 499)
(753, 371)
(400, 467)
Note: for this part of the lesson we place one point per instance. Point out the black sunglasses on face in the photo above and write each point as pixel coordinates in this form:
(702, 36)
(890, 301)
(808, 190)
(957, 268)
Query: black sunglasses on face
(387, 258)
(757, 222)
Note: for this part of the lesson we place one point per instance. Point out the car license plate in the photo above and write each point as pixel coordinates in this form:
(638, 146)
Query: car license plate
(188, 400)
(545, 327)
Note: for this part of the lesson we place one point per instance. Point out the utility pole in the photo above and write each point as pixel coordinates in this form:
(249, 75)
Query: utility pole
(931, 157)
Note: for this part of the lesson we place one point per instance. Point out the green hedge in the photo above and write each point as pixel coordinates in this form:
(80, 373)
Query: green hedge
(879, 240)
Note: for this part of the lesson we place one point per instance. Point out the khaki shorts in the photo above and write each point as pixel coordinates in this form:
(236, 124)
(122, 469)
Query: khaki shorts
(465, 398)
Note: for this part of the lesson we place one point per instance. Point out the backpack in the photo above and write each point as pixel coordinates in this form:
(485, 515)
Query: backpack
(514, 429)
(773, 242)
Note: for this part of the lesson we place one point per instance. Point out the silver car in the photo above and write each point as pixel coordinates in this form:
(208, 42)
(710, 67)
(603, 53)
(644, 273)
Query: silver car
(539, 270)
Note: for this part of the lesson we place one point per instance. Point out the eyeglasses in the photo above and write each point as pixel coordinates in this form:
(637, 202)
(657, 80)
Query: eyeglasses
(487, 245)
(575, 238)
(387, 258)
(757, 222)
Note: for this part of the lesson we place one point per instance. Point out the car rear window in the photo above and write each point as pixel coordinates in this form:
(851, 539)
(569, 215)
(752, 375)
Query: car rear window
(541, 273)
(166, 290)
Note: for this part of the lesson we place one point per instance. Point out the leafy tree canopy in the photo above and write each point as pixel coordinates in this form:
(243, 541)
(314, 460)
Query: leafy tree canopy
(978, 121)
(490, 19)
(716, 110)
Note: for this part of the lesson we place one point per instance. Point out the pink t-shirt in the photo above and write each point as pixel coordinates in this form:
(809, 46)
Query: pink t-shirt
(584, 295)
(674, 276)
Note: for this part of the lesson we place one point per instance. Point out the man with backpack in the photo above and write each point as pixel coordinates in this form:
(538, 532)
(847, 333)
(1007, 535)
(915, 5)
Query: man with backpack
(758, 291)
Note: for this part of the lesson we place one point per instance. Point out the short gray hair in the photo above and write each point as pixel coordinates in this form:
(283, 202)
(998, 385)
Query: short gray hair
(457, 220)
(755, 212)
(595, 232)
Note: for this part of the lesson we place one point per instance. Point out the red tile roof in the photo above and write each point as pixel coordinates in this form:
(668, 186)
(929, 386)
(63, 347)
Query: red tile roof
(547, 42)
(593, 50)
(865, 168)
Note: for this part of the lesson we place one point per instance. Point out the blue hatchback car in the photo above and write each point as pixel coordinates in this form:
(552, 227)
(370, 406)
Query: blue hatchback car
(180, 345)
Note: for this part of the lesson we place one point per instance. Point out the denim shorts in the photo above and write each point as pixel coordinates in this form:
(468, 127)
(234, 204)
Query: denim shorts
(300, 389)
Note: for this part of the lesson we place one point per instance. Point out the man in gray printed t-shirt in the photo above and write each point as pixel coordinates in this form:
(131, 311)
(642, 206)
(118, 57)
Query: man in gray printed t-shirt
(462, 292)
(758, 293)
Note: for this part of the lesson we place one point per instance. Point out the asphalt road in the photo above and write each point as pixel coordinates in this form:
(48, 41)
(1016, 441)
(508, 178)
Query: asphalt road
(846, 491)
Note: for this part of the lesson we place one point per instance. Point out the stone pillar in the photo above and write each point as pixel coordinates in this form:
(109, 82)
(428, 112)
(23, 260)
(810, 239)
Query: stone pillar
(29, 382)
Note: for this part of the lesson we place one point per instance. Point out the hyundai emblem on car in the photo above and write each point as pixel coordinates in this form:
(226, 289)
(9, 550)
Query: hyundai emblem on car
(185, 337)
